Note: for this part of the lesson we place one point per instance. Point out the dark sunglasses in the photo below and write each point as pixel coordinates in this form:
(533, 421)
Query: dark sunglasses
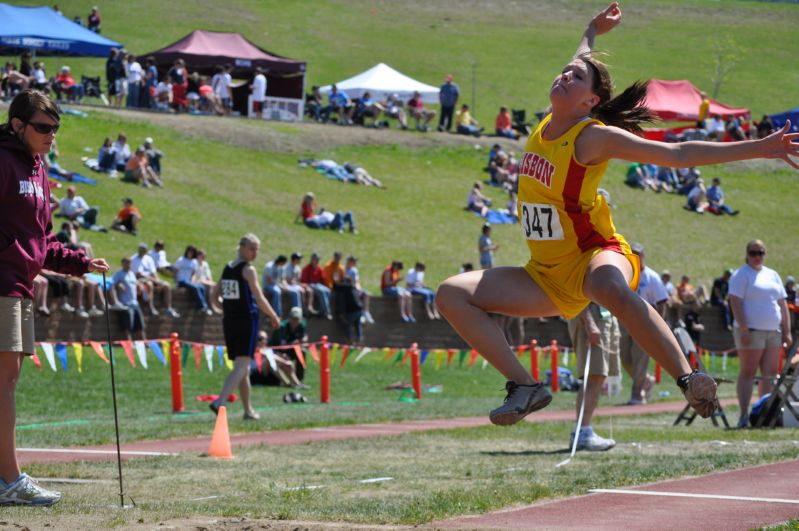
(756, 253)
(44, 129)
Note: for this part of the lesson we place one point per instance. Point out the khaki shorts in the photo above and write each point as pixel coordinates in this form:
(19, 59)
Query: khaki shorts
(16, 325)
(603, 355)
(758, 339)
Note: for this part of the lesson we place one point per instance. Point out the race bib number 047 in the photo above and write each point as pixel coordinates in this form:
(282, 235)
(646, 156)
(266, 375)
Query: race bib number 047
(540, 222)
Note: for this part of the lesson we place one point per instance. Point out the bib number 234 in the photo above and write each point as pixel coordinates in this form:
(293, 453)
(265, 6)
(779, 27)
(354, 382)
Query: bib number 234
(540, 222)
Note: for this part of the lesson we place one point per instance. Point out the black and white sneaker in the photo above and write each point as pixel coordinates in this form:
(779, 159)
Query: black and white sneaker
(520, 401)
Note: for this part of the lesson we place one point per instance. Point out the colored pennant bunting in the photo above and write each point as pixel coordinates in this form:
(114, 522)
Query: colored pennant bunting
(270, 358)
(345, 352)
(61, 354)
(314, 353)
(98, 349)
(209, 357)
(300, 355)
(364, 352)
(156, 348)
(423, 357)
(47, 348)
(127, 346)
(141, 352)
(77, 348)
(36, 361)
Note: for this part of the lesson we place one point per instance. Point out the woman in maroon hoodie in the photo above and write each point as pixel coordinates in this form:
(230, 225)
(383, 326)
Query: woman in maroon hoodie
(27, 244)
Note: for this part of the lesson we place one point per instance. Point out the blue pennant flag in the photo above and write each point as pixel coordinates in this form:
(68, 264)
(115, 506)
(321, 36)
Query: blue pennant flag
(61, 352)
(424, 357)
(156, 348)
(220, 350)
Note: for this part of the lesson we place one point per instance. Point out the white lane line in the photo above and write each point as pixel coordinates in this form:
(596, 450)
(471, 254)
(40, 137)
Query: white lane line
(70, 480)
(695, 495)
(90, 452)
(375, 480)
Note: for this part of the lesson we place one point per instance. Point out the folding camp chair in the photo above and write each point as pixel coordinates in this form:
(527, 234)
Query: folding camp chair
(689, 350)
(520, 123)
(784, 398)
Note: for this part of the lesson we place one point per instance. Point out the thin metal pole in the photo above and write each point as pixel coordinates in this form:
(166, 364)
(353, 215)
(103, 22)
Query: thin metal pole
(114, 395)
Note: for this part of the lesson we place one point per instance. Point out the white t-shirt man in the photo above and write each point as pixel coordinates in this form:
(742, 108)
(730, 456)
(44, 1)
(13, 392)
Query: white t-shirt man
(134, 73)
(414, 279)
(74, 206)
(761, 292)
(39, 76)
(259, 88)
(143, 265)
(221, 84)
(650, 287)
(121, 152)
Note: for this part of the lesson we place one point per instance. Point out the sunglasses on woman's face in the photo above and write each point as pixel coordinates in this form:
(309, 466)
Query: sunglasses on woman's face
(44, 129)
(756, 253)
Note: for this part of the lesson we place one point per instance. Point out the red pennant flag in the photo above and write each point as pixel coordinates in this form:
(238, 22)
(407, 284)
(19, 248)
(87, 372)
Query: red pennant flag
(314, 354)
(36, 361)
(198, 354)
(301, 357)
(127, 346)
(473, 357)
(98, 348)
(520, 350)
(259, 360)
(345, 351)
(450, 355)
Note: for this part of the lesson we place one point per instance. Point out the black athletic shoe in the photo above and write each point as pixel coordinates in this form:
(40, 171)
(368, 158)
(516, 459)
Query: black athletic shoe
(520, 401)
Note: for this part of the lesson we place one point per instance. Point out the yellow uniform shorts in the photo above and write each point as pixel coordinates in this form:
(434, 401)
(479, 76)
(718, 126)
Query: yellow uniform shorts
(563, 282)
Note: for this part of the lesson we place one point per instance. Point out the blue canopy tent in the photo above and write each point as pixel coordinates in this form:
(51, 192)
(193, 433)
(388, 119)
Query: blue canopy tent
(792, 115)
(43, 31)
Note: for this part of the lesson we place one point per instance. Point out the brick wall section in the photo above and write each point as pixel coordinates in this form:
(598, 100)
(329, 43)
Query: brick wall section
(389, 330)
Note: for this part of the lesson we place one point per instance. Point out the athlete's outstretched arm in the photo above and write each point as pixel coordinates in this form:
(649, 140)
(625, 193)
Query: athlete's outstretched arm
(606, 20)
(597, 144)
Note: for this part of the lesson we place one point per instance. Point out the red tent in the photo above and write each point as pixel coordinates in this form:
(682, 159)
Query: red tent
(204, 50)
(679, 100)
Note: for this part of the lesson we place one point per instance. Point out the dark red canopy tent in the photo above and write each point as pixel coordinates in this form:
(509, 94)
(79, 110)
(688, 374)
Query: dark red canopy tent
(203, 51)
(679, 101)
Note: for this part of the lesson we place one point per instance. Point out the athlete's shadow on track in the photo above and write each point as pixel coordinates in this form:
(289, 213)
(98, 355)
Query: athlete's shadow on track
(501, 453)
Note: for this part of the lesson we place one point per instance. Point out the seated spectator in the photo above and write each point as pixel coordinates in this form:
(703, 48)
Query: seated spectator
(394, 108)
(673, 302)
(106, 158)
(292, 331)
(137, 170)
(75, 208)
(715, 198)
(687, 178)
(697, 197)
(512, 206)
(790, 290)
(720, 297)
(313, 104)
(193, 91)
(128, 218)
(667, 179)
(389, 286)
(685, 291)
(351, 272)
(333, 271)
(65, 85)
(301, 296)
(733, 128)
(504, 124)
(466, 267)
(715, 129)
(638, 177)
(419, 113)
(693, 323)
(38, 79)
(121, 151)
(51, 162)
(339, 103)
(158, 254)
(204, 276)
(62, 286)
(187, 270)
(144, 268)
(324, 219)
(477, 202)
(164, 95)
(154, 156)
(208, 103)
(313, 277)
(271, 282)
(765, 127)
(414, 281)
(132, 319)
(465, 124)
(40, 286)
(93, 20)
(13, 81)
(365, 108)
(68, 235)
(502, 172)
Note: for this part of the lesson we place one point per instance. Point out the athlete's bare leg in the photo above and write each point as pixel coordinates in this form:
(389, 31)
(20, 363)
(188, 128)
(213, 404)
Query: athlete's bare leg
(607, 283)
(466, 299)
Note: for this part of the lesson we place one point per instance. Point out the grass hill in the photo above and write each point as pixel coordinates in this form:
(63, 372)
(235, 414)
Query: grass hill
(227, 176)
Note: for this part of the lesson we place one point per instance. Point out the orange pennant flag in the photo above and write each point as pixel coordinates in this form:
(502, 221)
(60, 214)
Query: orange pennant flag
(450, 355)
(406, 356)
(198, 355)
(473, 357)
(345, 351)
(301, 357)
(98, 348)
(127, 346)
(36, 361)
(520, 350)
(314, 354)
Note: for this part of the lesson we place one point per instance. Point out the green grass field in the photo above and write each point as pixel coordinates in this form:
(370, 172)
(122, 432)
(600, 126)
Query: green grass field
(226, 176)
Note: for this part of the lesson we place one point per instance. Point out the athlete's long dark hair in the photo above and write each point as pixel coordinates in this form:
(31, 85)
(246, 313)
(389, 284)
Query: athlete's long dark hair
(626, 110)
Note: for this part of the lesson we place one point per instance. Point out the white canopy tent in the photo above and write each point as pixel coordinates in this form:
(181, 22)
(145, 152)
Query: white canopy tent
(381, 81)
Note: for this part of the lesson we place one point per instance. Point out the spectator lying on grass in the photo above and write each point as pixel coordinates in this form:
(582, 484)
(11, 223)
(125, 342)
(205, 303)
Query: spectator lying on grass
(323, 219)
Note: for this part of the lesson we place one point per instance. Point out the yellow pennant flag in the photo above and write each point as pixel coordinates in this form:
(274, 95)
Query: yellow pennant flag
(78, 348)
(439, 358)
(228, 361)
(333, 353)
(166, 351)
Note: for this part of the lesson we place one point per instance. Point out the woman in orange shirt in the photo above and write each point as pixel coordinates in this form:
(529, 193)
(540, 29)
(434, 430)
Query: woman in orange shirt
(504, 124)
(576, 256)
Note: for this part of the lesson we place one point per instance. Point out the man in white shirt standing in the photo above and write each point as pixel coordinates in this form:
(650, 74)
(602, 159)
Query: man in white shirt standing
(134, 82)
(258, 89)
(221, 84)
(633, 358)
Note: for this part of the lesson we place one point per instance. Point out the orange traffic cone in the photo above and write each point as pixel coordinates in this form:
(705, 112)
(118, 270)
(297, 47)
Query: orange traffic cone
(220, 440)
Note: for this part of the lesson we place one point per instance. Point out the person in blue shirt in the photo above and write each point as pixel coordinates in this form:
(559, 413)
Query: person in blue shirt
(339, 103)
(124, 282)
(448, 97)
(715, 196)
